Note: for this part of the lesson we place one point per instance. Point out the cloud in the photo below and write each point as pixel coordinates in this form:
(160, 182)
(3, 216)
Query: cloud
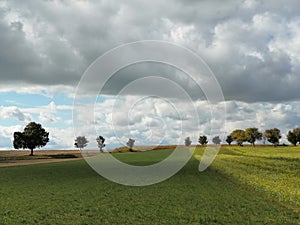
(48, 118)
(251, 46)
(60, 138)
(14, 113)
(155, 126)
(6, 136)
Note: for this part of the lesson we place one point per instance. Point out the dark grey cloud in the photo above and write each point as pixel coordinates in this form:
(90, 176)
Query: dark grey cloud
(153, 79)
(250, 45)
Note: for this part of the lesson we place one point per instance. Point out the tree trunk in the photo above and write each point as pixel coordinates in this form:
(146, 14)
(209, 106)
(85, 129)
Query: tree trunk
(31, 152)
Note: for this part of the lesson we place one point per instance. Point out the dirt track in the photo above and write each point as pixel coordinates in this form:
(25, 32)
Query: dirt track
(37, 152)
(33, 161)
(8, 163)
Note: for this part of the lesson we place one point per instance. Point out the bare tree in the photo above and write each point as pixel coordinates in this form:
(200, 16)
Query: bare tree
(130, 144)
(81, 142)
(100, 141)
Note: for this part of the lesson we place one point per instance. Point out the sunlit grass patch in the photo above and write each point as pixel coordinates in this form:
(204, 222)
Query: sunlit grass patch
(275, 171)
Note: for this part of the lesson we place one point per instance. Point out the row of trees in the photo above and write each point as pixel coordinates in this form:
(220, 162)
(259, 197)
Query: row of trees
(252, 134)
(35, 136)
(203, 140)
(81, 142)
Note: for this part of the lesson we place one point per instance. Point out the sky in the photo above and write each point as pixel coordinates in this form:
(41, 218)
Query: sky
(251, 46)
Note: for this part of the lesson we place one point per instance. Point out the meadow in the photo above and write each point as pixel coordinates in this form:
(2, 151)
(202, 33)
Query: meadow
(244, 185)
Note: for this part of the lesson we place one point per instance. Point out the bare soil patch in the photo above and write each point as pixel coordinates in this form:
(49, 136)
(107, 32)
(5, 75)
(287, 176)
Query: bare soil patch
(38, 152)
(18, 158)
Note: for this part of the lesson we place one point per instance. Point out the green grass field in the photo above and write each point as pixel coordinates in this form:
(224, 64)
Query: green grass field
(244, 185)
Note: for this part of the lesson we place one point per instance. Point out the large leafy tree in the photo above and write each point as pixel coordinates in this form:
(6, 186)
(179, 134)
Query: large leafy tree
(34, 136)
(19, 140)
(252, 134)
(81, 142)
(292, 138)
(203, 140)
(273, 136)
(297, 133)
(238, 136)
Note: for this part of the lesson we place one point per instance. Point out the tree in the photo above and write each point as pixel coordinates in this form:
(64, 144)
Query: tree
(187, 142)
(264, 139)
(252, 134)
(296, 131)
(238, 136)
(34, 136)
(203, 140)
(216, 140)
(292, 138)
(100, 141)
(19, 140)
(273, 136)
(130, 144)
(81, 142)
(229, 139)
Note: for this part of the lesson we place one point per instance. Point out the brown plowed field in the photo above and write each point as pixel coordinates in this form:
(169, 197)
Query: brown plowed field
(10, 155)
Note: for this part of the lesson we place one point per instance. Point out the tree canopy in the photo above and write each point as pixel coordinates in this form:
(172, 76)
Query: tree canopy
(273, 136)
(229, 139)
(294, 136)
(81, 142)
(203, 140)
(238, 136)
(33, 136)
(187, 141)
(216, 140)
(252, 134)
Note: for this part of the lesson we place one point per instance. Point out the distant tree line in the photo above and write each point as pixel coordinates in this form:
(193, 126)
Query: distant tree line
(252, 135)
(35, 136)
(81, 142)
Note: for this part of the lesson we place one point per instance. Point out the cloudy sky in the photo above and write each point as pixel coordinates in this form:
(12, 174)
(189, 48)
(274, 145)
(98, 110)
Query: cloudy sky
(251, 46)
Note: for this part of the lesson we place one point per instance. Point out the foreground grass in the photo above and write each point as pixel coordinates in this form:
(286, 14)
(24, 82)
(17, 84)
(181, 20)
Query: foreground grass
(72, 193)
(275, 171)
